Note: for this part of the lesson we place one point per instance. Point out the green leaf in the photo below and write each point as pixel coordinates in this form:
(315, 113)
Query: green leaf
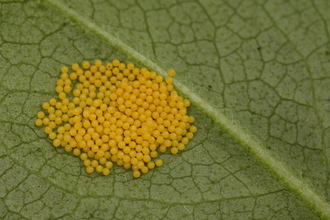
(257, 73)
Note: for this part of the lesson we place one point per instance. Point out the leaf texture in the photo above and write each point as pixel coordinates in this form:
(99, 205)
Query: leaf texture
(256, 72)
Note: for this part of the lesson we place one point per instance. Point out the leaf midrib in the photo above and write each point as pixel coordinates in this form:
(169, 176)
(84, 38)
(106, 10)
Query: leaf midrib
(245, 139)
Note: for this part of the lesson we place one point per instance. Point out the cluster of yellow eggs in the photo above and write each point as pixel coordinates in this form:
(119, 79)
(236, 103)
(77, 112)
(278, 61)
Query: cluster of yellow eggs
(116, 113)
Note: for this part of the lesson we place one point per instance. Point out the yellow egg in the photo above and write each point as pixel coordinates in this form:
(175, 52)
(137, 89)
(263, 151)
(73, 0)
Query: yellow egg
(117, 113)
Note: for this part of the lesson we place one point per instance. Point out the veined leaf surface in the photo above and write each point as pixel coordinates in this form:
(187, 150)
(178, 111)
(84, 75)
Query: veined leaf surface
(257, 73)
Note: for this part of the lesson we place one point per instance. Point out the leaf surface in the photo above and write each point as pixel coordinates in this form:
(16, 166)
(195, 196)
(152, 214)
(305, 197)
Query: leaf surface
(256, 72)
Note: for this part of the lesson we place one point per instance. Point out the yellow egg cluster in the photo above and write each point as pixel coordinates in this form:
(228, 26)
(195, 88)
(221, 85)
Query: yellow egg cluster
(116, 113)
